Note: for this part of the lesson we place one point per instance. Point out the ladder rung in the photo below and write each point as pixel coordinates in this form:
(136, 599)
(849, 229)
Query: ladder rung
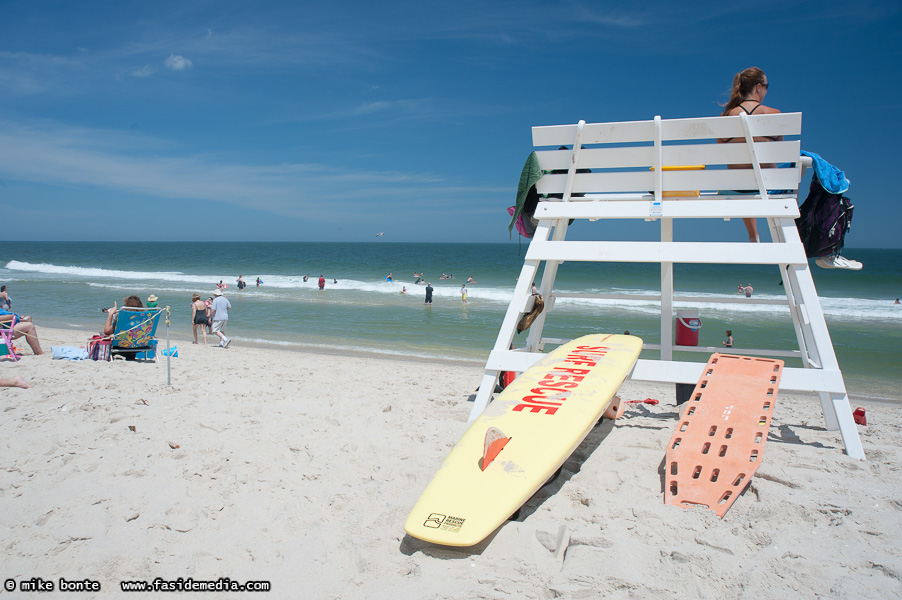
(675, 252)
(677, 299)
(796, 379)
(720, 208)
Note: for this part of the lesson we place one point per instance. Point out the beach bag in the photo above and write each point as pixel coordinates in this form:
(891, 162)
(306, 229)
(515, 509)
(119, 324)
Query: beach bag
(99, 348)
(824, 220)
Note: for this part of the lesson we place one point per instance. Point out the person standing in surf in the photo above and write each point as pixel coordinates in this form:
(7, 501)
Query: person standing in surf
(221, 308)
(322, 283)
(5, 301)
(747, 96)
(199, 316)
(729, 341)
(428, 294)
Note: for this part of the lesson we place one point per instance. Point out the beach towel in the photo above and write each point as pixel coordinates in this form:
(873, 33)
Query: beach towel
(68, 353)
(832, 179)
(530, 174)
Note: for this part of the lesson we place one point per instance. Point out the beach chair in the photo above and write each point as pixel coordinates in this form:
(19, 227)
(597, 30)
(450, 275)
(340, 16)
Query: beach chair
(663, 171)
(135, 331)
(7, 330)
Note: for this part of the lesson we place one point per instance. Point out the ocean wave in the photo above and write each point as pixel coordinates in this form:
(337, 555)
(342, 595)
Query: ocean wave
(293, 287)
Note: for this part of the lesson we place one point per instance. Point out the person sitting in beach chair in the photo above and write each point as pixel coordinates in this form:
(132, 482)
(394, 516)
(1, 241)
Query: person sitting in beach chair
(12, 327)
(132, 329)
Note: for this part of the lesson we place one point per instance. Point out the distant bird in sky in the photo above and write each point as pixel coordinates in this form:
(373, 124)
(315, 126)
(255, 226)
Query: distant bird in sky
(380, 233)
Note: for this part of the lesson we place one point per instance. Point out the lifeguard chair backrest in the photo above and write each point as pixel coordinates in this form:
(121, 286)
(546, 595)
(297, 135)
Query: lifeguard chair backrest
(622, 156)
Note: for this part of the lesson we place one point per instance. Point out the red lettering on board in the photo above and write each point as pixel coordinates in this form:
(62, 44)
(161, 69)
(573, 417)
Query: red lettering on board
(544, 400)
(554, 390)
(534, 408)
(574, 371)
(557, 384)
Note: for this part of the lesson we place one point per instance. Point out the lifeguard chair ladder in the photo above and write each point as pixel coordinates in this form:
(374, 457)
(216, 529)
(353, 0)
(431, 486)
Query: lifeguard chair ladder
(626, 163)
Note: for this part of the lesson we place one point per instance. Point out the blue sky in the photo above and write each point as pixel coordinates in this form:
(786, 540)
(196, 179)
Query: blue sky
(301, 121)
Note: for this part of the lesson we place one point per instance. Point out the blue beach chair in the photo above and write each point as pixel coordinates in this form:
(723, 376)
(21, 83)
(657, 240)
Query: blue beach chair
(135, 331)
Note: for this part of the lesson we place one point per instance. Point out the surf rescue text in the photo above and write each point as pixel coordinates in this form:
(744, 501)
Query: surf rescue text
(557, 385)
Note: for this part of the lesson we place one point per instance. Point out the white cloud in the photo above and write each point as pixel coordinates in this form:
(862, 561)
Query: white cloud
(145, 166)
(176, 62)
(145, 71)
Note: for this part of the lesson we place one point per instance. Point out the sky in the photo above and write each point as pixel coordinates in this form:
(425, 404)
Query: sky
(333, 121)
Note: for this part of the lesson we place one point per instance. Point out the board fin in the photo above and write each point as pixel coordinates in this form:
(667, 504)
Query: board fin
(495, 441)
(615, 409)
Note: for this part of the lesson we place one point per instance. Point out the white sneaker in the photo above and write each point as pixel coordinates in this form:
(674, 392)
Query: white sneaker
(838, 262)
(225, 344)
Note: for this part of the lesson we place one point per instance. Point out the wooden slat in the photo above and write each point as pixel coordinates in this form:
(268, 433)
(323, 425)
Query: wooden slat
(689, 154)
(676, 252)
(671, 129)
(643, 181)
(795, 379)
(686, 209)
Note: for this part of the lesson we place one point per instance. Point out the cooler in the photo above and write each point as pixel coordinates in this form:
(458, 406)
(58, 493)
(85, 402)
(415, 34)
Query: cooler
(687, 326)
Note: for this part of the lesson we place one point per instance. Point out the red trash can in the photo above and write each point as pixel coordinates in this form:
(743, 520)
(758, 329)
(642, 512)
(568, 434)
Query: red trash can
(687, 325)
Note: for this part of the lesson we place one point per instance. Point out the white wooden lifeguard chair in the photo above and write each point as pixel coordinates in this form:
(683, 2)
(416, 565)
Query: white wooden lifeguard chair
(628, 180)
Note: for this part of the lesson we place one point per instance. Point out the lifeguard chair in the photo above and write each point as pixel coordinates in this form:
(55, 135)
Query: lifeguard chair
(636, 170)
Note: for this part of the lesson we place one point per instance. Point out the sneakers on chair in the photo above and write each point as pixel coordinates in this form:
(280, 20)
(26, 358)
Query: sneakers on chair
(838, 262)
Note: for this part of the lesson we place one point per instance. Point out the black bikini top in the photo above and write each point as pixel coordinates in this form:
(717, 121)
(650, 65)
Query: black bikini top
(748, 112)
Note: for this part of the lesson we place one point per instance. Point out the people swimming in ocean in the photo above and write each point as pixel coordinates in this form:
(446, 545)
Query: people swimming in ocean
(748, 290)
(306, 277)
(728, 343)
(389, 277)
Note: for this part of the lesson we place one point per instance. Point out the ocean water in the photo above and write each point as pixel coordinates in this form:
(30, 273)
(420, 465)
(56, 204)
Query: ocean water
(65, 284)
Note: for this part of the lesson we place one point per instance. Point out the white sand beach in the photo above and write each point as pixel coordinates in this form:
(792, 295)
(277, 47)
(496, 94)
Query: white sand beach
(300, 468)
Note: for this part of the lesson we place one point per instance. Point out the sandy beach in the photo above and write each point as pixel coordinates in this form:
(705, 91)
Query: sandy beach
(299, 469)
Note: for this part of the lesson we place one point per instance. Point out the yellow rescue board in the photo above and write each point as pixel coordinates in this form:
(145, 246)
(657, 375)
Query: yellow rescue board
(545, 414)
